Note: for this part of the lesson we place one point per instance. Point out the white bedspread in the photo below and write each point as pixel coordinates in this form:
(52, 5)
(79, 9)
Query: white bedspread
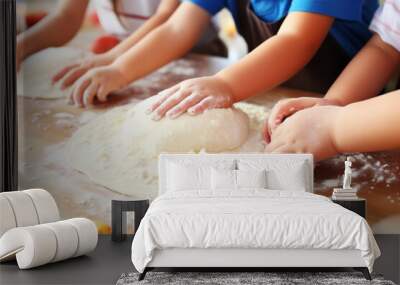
(250, 219)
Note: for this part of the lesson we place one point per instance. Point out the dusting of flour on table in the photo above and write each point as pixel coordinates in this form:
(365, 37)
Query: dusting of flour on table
(367, 170)
(180, 67)
(120, 148)
(86, 117)
(35, 77)
(63, 115)
(257, 115)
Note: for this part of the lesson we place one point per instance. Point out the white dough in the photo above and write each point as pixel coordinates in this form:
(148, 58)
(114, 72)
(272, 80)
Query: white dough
(112, 148)
(34, 78)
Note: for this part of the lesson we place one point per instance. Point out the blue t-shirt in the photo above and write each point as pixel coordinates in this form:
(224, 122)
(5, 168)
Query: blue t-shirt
(352, 17)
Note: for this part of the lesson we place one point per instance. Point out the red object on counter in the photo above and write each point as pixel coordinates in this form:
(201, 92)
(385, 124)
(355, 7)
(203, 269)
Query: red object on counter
(94, 19)
(33, 18)
(104, 43)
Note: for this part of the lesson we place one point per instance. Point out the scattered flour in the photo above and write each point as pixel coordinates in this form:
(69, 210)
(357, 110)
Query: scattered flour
(119, 149)
(86, 117)
(378, 172)
(257, 115)
(39, 115)
(63, 115)
(64, 124)
(180, 67)
(35, 77)
(368, 170)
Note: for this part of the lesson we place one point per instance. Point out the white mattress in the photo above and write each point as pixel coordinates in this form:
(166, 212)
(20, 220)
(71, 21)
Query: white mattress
(258, 219)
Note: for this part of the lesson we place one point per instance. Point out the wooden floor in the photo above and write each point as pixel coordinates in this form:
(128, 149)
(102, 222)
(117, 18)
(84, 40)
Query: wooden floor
(110, 260)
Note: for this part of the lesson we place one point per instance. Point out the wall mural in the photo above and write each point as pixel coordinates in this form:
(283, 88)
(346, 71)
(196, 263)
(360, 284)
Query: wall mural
(88, 156)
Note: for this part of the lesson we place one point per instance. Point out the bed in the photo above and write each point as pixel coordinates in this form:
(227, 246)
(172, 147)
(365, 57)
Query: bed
(245, 211)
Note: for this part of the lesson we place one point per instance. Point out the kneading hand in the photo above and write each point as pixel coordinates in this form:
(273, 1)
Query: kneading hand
(97, 83)
(307, 131)
(287, 107)
(193, 96)
(71, 73)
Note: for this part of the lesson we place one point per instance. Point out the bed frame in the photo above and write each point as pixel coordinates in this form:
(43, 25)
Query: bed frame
(237, 259)
(262, 259)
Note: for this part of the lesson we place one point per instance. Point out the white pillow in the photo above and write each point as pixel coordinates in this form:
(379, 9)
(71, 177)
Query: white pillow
(223, 179)
(181, 178)
(251, 178)
(193, 174)
(287, 174)
(226, 179)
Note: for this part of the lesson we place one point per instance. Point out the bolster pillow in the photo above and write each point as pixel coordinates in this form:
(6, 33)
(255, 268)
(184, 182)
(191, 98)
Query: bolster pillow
(40, 244)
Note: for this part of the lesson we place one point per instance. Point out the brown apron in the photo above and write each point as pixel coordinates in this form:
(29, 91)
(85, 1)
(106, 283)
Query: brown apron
(210, 43)
(318, 75)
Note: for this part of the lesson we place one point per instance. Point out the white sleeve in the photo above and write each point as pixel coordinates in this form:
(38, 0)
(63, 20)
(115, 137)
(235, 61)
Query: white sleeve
(386, 23)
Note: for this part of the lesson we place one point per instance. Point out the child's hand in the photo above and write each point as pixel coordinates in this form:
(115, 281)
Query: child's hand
(287, 107)
(73, 72)
(194, 96)
(98, 82)
(307, 131)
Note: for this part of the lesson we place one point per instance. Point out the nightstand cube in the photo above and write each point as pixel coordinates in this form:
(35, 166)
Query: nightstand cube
(357, 206)
(118, 216)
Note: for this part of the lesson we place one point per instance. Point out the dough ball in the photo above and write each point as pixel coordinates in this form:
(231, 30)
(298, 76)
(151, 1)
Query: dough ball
(124, 143)
(34, 78)
(213, 131)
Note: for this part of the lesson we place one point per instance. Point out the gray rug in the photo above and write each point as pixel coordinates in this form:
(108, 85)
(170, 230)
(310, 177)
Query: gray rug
(243, 278)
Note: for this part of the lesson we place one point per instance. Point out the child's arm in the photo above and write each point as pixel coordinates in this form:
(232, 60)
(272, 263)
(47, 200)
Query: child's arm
(367, 73)
(270, 64)
(366, 126)
(164, 11)
(370, 125)
(69, 74)
(363, 78)
(54, 30)
(168, 41)
(279, 57)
